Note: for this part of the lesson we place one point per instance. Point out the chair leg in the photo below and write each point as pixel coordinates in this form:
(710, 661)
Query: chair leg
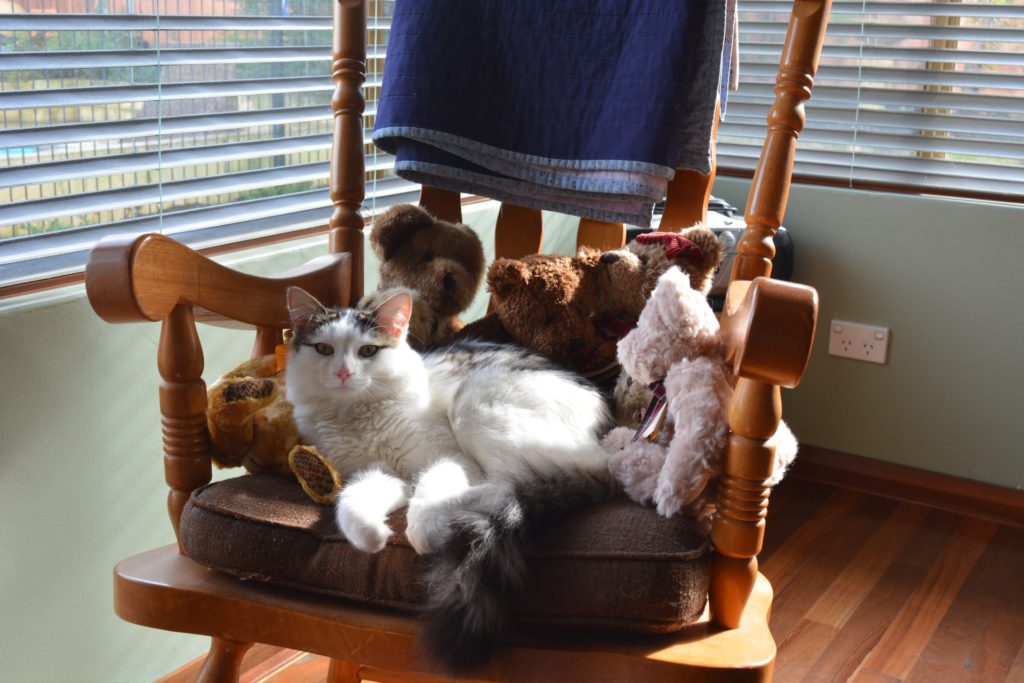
(342, 671)
(732, 581)
(224, 663)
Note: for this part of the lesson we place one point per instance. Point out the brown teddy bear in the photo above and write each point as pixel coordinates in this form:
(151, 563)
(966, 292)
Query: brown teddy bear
(251, 425)
(441, 263)
(575, 309)
(632, 272)
(545, 302)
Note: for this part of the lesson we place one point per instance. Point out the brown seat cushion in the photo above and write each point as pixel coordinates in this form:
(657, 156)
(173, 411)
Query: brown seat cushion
(614, 565)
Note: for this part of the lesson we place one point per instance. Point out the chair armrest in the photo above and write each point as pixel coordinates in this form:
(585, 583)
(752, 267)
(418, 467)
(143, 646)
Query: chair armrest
(143, 278)
(154, 278)
(768, 329)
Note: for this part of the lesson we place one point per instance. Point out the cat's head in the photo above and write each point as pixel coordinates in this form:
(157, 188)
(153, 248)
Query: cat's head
(346, 354)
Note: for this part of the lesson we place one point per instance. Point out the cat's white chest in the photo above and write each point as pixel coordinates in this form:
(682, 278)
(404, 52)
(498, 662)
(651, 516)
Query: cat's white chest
(404, 438)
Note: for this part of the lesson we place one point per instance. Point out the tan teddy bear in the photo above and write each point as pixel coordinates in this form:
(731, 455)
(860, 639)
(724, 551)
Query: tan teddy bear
(250, 424)
(632, 273)
(676, 347)
(249, 420)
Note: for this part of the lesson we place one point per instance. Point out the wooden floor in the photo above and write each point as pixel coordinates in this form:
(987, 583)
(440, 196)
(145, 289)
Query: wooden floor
(870, 589)
(866, 589)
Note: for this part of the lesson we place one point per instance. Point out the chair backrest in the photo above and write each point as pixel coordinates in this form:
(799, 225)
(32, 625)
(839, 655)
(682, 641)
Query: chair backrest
(768, 325)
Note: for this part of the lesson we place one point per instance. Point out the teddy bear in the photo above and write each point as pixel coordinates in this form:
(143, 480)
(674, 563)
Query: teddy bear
(440, 263)
(632, 272)
(634, 269)
(545, 302)
(575, 309)
(250, 424)
(676, 348)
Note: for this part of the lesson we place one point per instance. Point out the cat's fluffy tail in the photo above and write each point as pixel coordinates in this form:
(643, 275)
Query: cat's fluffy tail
(479, 576)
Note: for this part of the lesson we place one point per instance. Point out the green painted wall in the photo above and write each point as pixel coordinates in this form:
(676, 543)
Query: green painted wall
(947, 276)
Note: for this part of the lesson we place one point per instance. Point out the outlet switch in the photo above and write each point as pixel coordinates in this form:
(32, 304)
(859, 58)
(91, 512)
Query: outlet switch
(869, 343)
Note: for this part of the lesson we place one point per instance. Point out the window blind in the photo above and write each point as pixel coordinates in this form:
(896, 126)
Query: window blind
(922, 96)
(206, 121)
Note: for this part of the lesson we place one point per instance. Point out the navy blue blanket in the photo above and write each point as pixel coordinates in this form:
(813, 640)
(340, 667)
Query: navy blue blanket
(580, 106)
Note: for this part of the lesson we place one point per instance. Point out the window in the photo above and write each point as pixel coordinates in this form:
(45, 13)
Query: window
(917, 96)
(206, 120)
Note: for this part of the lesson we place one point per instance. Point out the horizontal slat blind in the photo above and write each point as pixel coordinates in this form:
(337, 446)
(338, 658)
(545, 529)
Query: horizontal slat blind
(210, 121)
(924, 96)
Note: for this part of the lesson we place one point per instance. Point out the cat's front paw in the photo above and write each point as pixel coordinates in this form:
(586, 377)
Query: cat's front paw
(368, 535)
(428, 526)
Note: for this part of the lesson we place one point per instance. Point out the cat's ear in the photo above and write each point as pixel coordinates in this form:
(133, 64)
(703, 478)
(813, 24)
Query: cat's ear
(303, 308)
(393, 314)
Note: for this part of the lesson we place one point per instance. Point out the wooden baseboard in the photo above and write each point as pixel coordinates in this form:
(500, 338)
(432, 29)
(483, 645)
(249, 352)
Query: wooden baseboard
(911, 484)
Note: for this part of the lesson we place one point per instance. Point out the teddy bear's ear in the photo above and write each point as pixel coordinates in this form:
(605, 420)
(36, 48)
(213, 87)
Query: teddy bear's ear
(702, 272)
(395, 226)
(708, 241)
(303, 308)
(506, 274)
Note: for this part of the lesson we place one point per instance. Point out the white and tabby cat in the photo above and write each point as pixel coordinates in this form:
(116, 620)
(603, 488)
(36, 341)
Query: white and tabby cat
(481, 441)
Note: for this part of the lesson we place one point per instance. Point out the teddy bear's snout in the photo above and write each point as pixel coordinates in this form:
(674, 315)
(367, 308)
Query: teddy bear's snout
(610, 257)
(448, 282)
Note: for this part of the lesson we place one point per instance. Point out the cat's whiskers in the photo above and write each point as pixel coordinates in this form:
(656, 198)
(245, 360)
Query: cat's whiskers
(378, 391)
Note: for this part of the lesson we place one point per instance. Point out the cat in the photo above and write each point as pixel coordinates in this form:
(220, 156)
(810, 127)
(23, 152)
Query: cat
(482, 442)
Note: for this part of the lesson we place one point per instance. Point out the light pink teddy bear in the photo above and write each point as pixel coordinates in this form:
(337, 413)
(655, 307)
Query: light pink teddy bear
(676, 341)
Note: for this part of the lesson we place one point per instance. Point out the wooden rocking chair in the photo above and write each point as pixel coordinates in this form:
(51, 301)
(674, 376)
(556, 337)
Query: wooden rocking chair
(769, 326)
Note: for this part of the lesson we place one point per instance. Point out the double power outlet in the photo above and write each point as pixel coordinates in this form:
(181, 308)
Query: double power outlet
(868, 343)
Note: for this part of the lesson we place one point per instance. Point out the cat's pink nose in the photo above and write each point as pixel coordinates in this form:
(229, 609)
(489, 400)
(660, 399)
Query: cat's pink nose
(344, 374)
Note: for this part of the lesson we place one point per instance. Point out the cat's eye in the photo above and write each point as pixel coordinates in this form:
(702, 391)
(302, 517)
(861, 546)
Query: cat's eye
(368, 351)
(324, 349)
(428, 257)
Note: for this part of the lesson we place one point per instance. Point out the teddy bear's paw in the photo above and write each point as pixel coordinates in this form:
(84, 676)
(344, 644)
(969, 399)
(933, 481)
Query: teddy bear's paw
(428, 525)
(672, 495)
(317, 476)
(637, 468)
(249, 388)
(617, 439)
(667, 505)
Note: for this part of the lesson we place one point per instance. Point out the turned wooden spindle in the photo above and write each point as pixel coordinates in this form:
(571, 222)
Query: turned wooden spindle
(769, 191)
(743, 490)
(445, 205)
(183, 406)
(518, 231)
(267, 339)
(347, 166)
(600, 234)
(342, 671)
(767, 329)
(224, 663)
